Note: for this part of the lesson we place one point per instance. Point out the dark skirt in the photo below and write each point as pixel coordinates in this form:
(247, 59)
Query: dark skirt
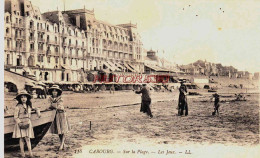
(145, 107)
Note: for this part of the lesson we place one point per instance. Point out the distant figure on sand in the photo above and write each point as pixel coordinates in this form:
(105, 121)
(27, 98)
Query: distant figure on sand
(216, 104)
(112, 89)
(182, 104)
(60, 124)
(23, 128)
(146, 100)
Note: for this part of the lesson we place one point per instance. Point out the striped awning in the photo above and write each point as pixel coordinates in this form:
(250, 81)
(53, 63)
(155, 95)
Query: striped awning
(128, 67)
(108, 66)
(113, 65)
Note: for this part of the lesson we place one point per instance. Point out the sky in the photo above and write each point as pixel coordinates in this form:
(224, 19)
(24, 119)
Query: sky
(220, 31)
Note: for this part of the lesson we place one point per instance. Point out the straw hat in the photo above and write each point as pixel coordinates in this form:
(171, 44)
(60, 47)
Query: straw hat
(56, 87)
(23, 92)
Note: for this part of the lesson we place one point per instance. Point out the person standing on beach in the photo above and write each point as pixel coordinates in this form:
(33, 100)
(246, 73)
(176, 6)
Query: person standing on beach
(146, 100)
(23, 128)
(182, 104)
(60, 124)
(112, 89)
(216, 104)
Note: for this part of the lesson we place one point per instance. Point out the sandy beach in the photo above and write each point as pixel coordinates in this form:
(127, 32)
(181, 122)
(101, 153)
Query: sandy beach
(116, 121)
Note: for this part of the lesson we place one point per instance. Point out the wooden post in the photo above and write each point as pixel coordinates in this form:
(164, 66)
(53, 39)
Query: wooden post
(90, 125)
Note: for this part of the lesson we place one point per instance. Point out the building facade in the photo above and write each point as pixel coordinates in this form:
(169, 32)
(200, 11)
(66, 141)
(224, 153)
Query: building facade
(67, 45)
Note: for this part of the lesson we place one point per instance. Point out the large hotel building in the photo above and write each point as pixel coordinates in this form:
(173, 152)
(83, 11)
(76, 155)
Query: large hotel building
(67, 45)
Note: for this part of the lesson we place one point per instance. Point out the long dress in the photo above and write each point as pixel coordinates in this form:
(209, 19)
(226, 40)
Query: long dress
(146, 101)
(60, 124)
(22, 114)
(183, 104)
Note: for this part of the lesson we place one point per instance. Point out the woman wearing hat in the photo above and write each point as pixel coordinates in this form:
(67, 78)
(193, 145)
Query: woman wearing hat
(60, 124)
(182, 104)
(23, 128)
(216, 104)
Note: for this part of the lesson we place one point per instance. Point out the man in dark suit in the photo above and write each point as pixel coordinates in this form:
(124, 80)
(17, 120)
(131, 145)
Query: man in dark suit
(183, 104)
(146, 100)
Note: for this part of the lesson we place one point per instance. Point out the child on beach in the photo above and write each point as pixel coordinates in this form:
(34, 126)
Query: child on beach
(23, 128)
(60, 124)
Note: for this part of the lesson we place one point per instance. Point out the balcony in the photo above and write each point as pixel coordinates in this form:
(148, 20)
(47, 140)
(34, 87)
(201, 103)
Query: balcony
(21, 25)
(64, 34)
(20, 37)
(77, 46)
(18, 49)
(41, 40)
(40, 51)
(64, 44)
(32, 50)
(56, 54)
(31, 38)
(71, 45)
(48, 52)
(41, 29)
(52, 42)
(31, 28)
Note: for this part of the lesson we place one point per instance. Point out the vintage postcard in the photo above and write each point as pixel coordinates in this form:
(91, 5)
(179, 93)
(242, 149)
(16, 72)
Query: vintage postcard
(130, 78)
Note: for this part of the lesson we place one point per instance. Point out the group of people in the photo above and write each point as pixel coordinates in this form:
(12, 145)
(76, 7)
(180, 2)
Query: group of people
(182, 102)
(23, 128)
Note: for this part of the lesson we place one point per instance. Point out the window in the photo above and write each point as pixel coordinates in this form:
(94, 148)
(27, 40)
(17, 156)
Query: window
(62, 76)
(16, 20)
(82, 44)
(47, 27)
(56, 60)
(56, 49)
(49, 60)
(8, 44)
(7, 19)
(7, 30)
(76, 62)
(39, 58)
(64, 60)
(32, 46)
(31, 24)
(56, 39)
(7, 59)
